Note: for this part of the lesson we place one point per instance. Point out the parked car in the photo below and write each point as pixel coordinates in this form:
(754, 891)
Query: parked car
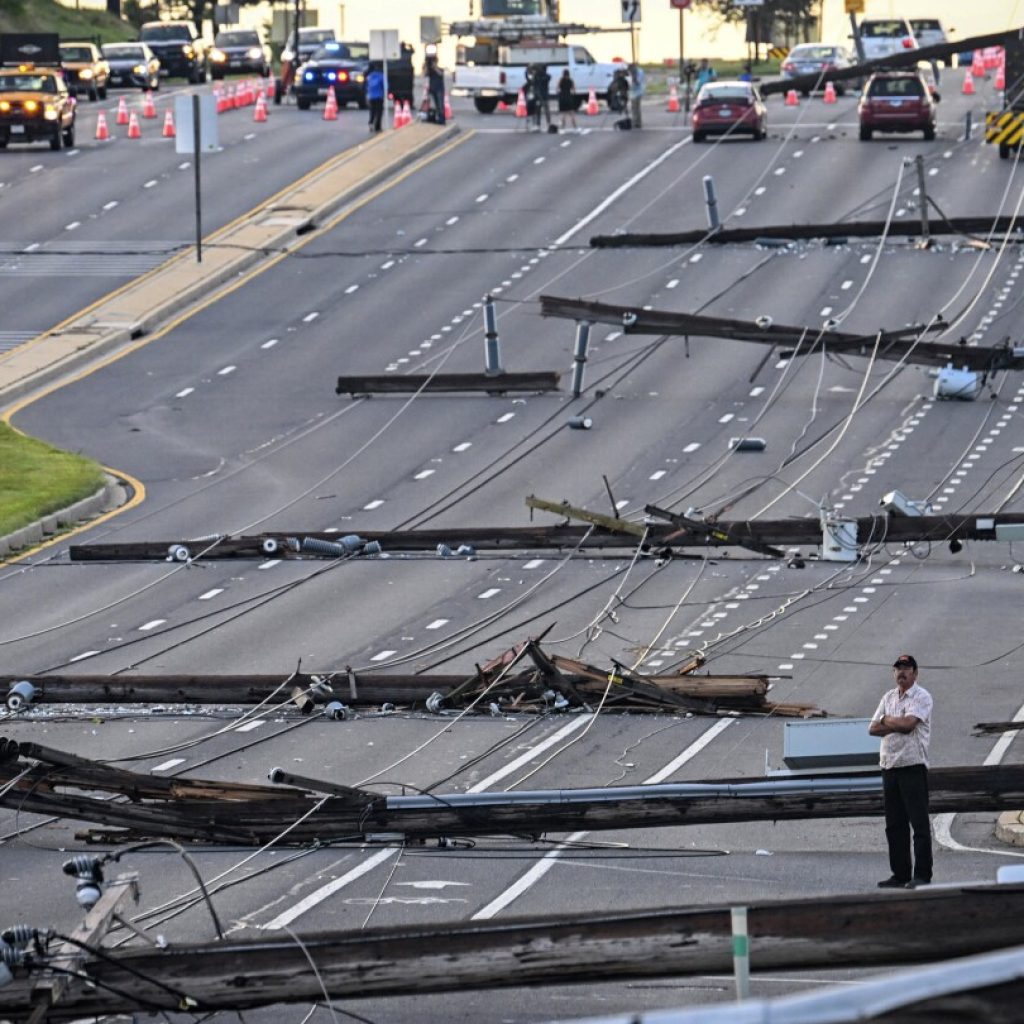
(342, 67)
(132, 65)
(36, 105)
(310, 40)
(729, 108)
(928, 31)
(240, 50)
(883, 36)
(819, 59)
(180, 48)
(85, 69)
(896, 101)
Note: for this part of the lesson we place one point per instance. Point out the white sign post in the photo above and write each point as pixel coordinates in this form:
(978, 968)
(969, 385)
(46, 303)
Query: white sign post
(196, 133)
(385, 46)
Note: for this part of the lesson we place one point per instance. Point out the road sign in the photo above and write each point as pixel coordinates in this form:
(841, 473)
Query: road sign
(854, 6)
(630, 12)
(681, 5)
(384, 44)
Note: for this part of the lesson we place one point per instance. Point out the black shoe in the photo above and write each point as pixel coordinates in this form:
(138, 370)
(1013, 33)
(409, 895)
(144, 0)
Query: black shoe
(916, 883)
(893, 883)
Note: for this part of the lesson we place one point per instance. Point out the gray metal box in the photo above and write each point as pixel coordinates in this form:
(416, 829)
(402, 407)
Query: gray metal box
(830, 743)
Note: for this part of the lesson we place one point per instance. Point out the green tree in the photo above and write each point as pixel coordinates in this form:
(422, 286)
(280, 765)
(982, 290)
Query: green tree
(782, 22)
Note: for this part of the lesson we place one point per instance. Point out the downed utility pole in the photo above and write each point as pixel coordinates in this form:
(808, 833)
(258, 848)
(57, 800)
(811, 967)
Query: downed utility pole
(492, 384)
(856, 931)
(987, 226)
(901, 344)
(39, 780)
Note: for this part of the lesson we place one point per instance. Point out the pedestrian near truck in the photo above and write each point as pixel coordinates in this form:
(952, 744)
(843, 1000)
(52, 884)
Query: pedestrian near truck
(567, 99)
(375, 96)
(903, 720)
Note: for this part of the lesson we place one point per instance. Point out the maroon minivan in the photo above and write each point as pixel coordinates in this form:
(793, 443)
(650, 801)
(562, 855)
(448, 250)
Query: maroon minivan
(896, 101)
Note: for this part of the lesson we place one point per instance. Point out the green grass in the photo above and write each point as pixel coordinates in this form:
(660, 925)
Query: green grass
(50, 16)
(659, 77)
(37, 479)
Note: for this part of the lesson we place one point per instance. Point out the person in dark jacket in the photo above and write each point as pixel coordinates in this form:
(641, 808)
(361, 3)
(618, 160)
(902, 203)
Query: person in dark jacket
(541, 94)
(375, 96)
(435, 86)
(567, 99)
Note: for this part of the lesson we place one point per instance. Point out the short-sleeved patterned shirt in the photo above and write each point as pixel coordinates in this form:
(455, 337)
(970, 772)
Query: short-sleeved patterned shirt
(900, 750)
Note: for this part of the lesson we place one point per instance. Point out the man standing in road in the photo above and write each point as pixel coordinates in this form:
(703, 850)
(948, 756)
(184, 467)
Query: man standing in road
(903, 719)
(435, 86)
(375, 95)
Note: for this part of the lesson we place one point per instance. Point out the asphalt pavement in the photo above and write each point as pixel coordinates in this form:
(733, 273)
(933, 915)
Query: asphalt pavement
(227, 417)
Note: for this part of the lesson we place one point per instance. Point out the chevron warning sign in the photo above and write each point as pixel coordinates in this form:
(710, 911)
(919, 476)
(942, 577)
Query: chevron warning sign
(1005, 128)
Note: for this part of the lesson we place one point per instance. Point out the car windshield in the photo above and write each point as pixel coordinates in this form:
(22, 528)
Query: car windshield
(162, 33)
(813, 53)
(124, 52)
(28, 83)
(237, 39)
(315, 35)
(906, 86)
(872, 29)
(926, 24)
(343, 51)
(724, 94)
(76, 53)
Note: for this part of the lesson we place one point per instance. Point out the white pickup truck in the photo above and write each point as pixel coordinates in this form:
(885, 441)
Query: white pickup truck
(489, 84)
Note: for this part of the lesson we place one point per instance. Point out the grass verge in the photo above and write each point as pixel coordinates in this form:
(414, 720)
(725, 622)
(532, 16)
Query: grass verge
(50, 16)
(37, 479)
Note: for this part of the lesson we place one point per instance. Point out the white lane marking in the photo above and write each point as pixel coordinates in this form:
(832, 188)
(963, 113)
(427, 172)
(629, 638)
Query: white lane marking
(38, 167)
(690, 752)
(482, 198)
(671, 284)
(146, 626)
(419, 243)
(354, 287)
(319, 895)
(249, 136)
(167, 765)
(84, 655)
(151, 183)
(452, 220)
(760, 190)
(226, 371)
(506, 417)
(846, 286)
(527, 881)
(376, 503)
(621, 190)
(74, 224)
(249, 726)
(437, 623)
(423, 474)
(697, 257)
(754, 392)
(310, 317)
(539, 160)
(512, 177)
(534, 563)
(463, 446)
(657, 474)
(388, 265)
(825, 310)
(211, 594)
(185, 166)
(31, 248)
(488, 594)
(185, 393)
(269, 563)
(383, 656)
(728, 416)
(524, 758)
(692, 446)
(270, 343)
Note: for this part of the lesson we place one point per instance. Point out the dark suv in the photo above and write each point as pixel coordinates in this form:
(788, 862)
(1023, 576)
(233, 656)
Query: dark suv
(896, 101)
(180, 48)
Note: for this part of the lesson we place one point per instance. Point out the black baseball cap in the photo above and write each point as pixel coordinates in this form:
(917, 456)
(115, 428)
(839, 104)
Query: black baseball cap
(905, 661)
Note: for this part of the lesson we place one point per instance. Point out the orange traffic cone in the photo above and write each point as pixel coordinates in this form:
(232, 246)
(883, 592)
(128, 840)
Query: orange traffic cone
(977, 65)
(406, 114)
(122, 112)
(502, 106)
(673, 99)
(221, 98)
(592, 107)
(168, 132)
(102, 131)
(271, 86)
(830, 93)
(521, 104)
(792, 100)
(968, 89)
(331, 107)
(448, 116)
(1000, 78)
(260, 113)
(134, 131)
(148, 106)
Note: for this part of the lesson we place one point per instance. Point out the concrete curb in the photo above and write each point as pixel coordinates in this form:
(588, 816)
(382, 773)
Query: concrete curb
(110, 496)
(1010, 828)
(144, 305)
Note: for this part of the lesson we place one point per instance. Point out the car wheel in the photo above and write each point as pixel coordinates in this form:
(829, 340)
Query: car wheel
(698, 136)
(929, 133)
(69, 137)
(760, 134)
(55, 139)
(865, 134)
(301, 101)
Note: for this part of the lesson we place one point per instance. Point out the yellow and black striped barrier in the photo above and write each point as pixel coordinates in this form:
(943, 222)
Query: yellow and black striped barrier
(1005, 128)
(777, 52)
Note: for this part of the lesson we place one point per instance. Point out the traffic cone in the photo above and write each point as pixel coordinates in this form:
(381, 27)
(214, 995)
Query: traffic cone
(673, 99)
(830, 93)
(792, 100)
(968, 89)
(331, 107)
(271, 86)
(168, 132)
(260, 113)
(221, 99)
(148, 106)
(122, 112)
(502, 106)
(102, 131)
(592, 107)
(978, 65)
(1000, 78)
(448, 116)
(521, 104)
(134, 131)
(406, 114)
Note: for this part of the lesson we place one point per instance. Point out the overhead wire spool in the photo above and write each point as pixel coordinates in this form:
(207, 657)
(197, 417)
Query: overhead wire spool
(178, 553)
(20, 695)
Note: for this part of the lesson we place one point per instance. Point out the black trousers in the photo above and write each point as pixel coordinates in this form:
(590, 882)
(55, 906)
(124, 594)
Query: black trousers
(906, 806)
(376, 112)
